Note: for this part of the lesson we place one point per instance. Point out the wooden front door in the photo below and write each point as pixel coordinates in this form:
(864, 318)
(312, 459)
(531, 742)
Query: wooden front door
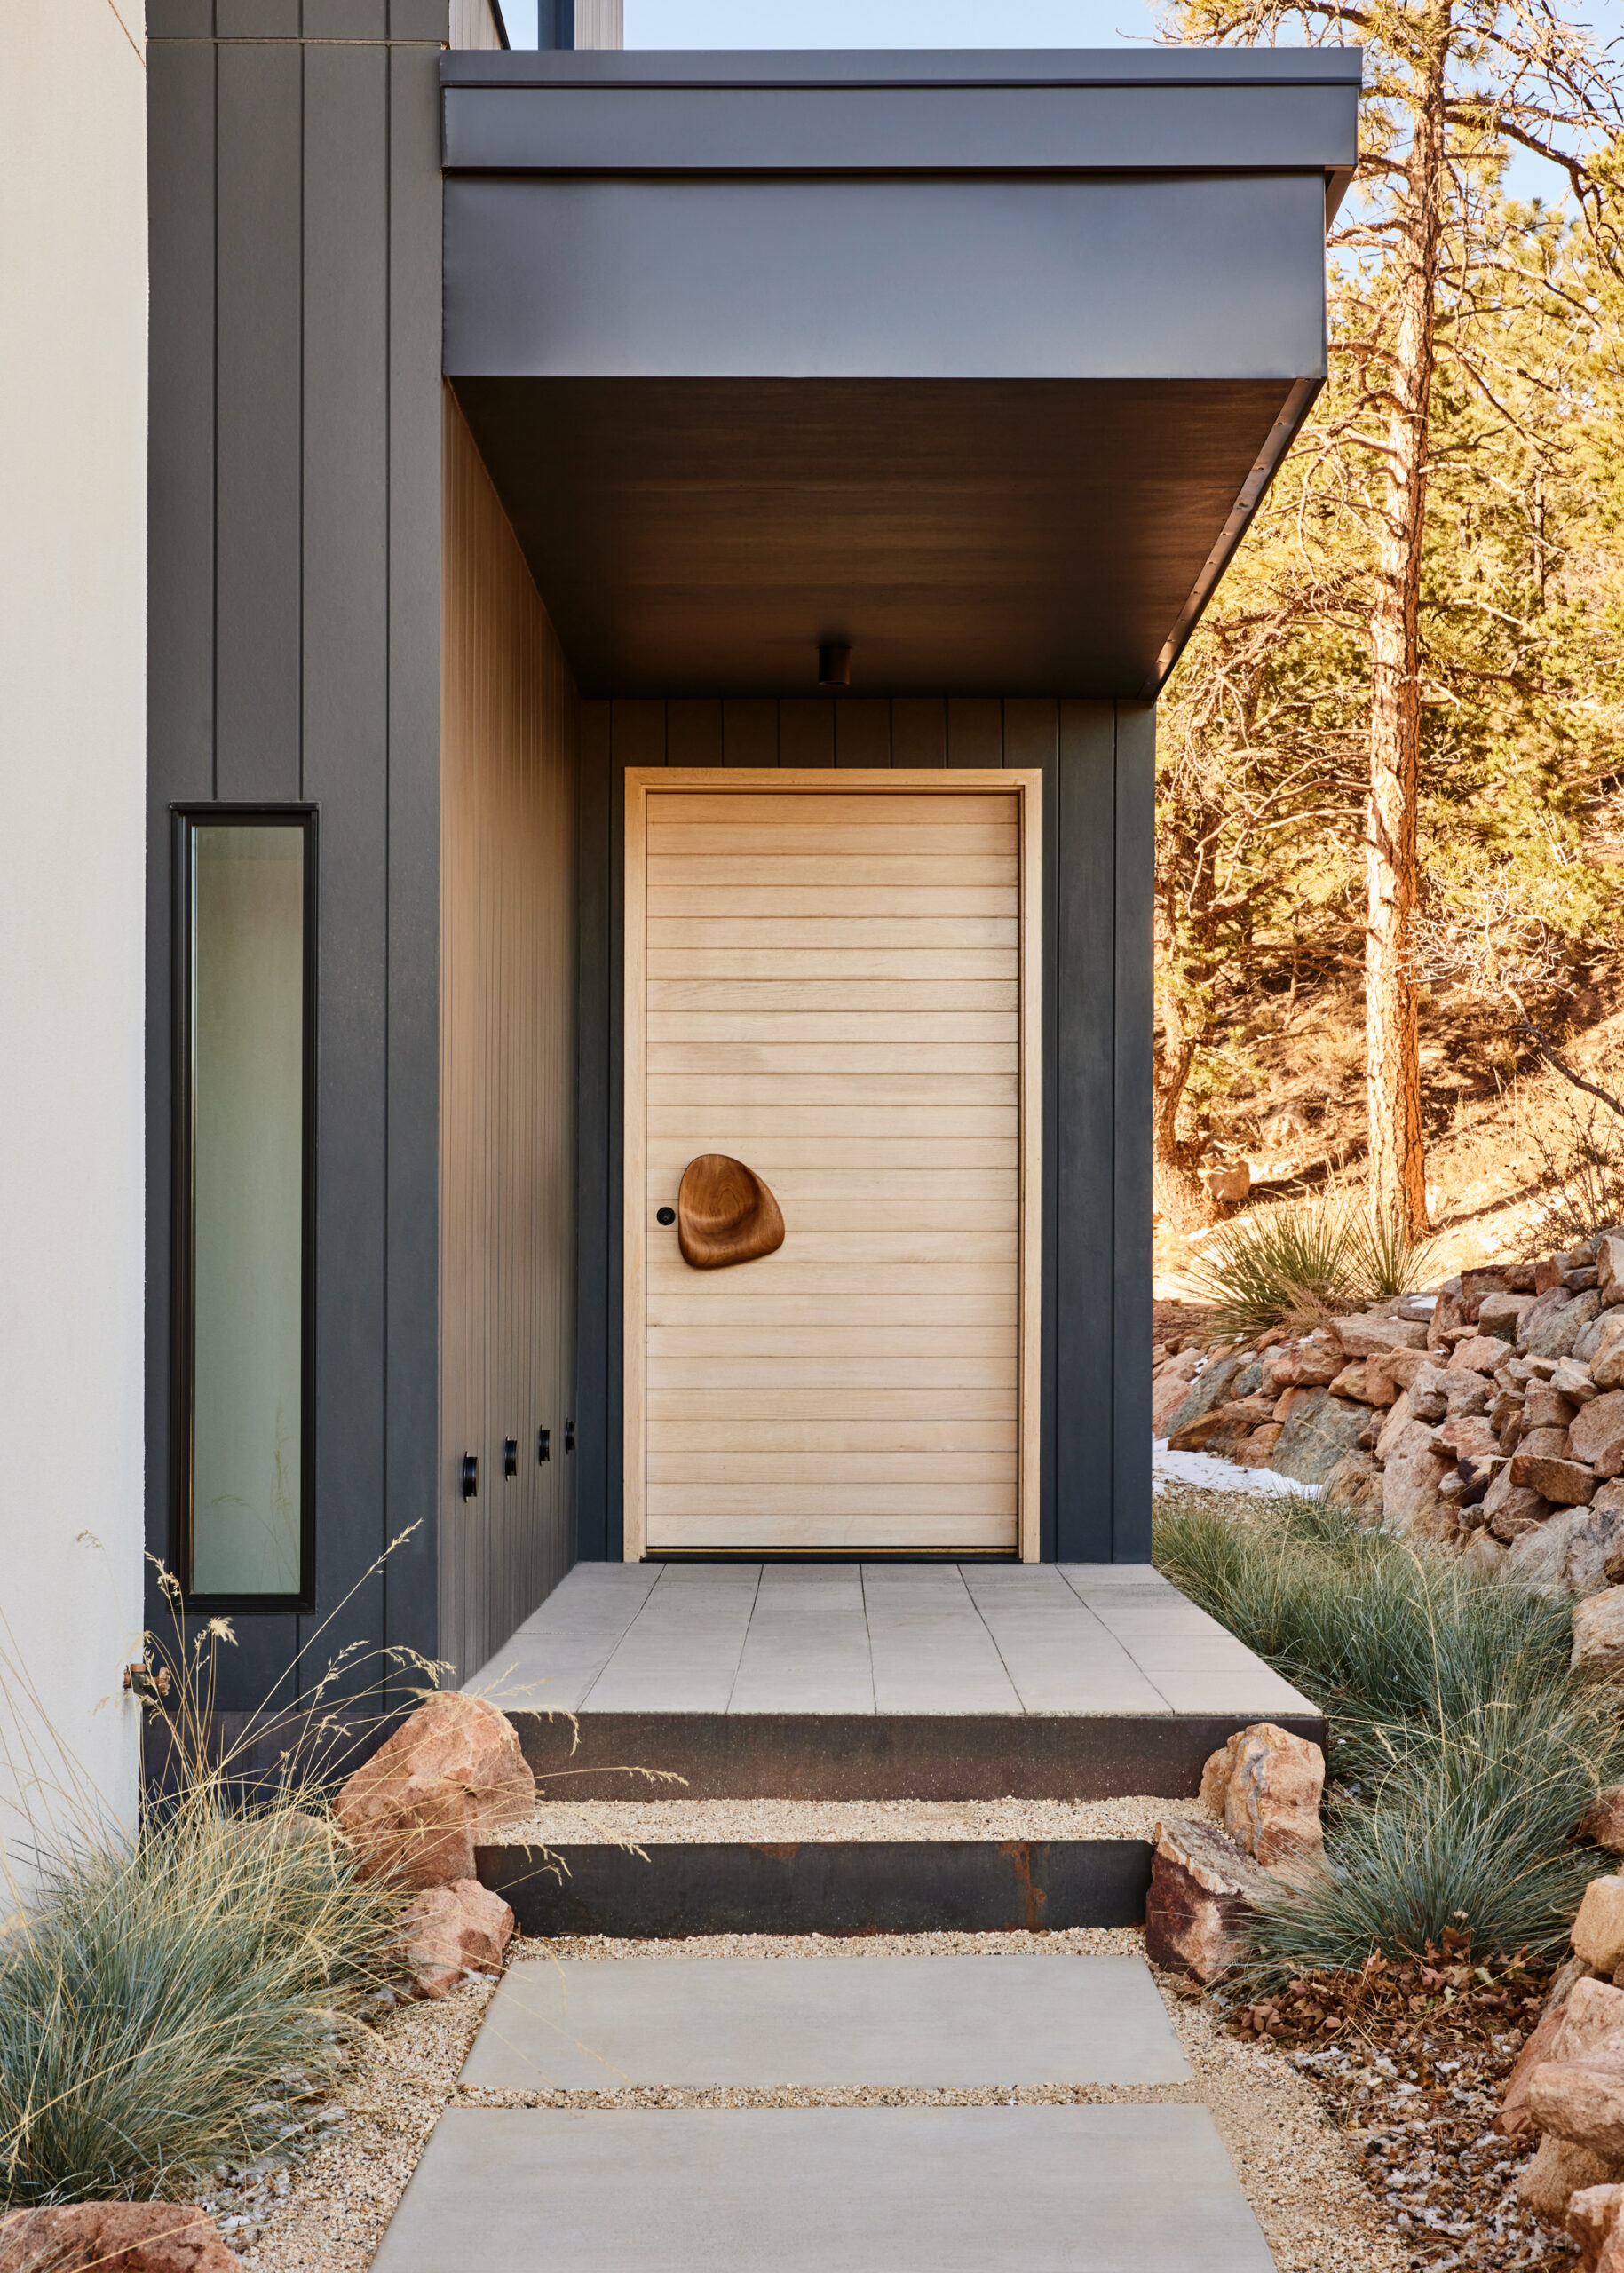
(832, 978)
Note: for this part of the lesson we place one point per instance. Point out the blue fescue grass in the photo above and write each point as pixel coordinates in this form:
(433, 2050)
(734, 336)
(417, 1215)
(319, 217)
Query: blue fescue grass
(1463, 1754)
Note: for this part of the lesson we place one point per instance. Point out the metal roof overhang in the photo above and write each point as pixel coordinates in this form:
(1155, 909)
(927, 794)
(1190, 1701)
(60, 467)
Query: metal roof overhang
(977, 362)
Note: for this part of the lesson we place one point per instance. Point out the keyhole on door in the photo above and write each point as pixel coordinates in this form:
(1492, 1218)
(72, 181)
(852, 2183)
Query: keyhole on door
(666, 1216)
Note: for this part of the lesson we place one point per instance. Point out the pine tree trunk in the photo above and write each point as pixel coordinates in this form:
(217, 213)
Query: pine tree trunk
(1398, 1158)
(1180, 1199)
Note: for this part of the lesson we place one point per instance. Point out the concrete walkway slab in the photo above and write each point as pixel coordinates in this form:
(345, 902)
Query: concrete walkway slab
(813, 2023)
(1137, 2188)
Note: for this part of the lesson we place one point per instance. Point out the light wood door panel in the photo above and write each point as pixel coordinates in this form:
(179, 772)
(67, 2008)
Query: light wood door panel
(838, 986)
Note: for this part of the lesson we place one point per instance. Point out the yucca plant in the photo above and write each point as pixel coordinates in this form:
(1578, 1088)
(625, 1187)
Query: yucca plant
(1296, 1261)
(1278, 1266)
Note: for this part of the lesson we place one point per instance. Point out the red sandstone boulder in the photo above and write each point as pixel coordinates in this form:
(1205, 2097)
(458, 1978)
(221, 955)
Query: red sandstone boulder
(1560, 2170)
(1595, 2219)
(1596, 1434)
(448, 1777)
(1364, 1337)
(1603, 1821)
(114, 2237)
(1513, 2120)
(1267, 1784)
(1201, 1890)
(453, 1931)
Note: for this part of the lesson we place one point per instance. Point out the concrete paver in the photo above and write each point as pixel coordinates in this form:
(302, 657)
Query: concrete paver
(1111, 2188)
(821, 2022)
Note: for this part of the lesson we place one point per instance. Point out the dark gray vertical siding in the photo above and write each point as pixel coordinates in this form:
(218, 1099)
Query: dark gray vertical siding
(412, 1296)
(260, 184)
(294, 625)
(1032, 738)
(1134, 1015)
(344, 697)
(1085, 1212)
(1096, 759)
(594, 1449)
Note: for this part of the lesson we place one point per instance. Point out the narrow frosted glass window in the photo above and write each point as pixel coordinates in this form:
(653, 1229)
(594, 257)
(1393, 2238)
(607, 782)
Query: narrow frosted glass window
(248, 1116)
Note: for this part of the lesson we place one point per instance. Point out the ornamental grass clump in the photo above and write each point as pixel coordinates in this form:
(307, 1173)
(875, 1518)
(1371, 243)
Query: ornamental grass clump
(1294, 1262)
(170, 1988)
(1462, 1753)
(159, 1996)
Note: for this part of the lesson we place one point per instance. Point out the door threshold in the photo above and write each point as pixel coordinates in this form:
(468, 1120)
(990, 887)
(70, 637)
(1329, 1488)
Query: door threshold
(830, 1555)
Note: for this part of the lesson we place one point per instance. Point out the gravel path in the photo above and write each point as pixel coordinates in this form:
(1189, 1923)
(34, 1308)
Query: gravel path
(684, 1822)
(328, 2214)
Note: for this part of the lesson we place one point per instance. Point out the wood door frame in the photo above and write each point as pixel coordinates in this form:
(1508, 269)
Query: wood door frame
(1024, 783)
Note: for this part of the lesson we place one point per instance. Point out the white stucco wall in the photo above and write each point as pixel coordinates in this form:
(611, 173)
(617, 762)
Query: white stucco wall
(72, 579)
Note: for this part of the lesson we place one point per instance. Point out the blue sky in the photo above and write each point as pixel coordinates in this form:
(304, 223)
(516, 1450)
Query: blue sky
(865, 23)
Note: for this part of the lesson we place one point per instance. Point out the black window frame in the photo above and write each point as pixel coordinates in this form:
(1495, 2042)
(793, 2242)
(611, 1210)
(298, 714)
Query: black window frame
(186, 820)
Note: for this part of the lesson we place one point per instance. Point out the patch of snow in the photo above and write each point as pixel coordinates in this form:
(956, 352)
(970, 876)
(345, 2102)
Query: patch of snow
(1214, 1475)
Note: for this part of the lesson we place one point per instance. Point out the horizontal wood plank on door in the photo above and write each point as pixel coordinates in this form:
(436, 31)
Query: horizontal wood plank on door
(913, 1362)
(939, 1531)
(773, 932)
(900, 902)
(849, 1470)
(698, 1349)
(950, 1434)
(917, 1033)
(894, 804)
(903, 1497)
(845, 1247)
(815, 1401)
(831, 1135)
(869, 997)
(892, 1294)
(985, 832)
(978, 872)
(898, 1092)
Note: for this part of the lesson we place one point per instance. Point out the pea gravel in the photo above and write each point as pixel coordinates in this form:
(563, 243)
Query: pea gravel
(326, 2212)
(659, 1822)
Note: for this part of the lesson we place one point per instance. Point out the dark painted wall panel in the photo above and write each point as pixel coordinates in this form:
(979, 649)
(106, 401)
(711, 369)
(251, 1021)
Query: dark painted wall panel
(1134, 1013)
(345, 701)
(749, 733)
(594, 1184)
(412, 1363)
(1032, 738)
(258, 469)
(1085, 1112)
(919, 730)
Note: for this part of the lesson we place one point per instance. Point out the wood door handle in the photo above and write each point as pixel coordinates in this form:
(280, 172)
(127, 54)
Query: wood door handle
(726, 1213)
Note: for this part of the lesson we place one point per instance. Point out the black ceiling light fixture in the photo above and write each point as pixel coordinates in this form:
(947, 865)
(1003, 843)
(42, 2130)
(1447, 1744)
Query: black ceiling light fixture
(835, 663)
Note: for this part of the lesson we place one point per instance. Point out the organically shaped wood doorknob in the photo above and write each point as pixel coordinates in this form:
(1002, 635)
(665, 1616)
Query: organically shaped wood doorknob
(724, 1213)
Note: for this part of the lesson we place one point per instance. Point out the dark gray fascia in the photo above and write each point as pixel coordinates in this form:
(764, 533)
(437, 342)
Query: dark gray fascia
(1074, 67)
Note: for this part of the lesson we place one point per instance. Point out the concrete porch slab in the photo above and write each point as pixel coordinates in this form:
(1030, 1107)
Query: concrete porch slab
(888, 1639)
(813, 2023)
(1136, 2189)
